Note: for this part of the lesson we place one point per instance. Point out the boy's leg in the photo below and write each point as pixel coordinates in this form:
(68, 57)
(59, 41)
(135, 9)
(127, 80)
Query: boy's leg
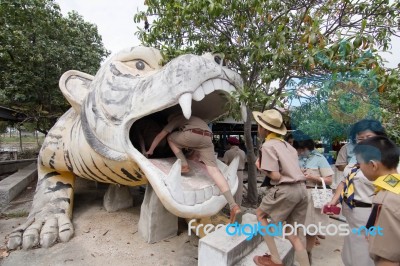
(298, 215)
(179, 154)
(300, 252)
(310, 242)
(269, 240)
(279, 203)
(222, 184)
(205, 149)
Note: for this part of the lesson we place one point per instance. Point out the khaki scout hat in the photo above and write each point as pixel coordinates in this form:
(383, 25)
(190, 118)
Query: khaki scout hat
(271, 120)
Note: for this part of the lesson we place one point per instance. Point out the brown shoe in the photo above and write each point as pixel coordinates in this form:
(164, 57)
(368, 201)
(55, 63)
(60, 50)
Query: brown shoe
(185, 169)
(265, 260)
(236, 215)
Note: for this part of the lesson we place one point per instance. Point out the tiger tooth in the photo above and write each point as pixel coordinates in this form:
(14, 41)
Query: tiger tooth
(198, 94)
(208, 87)
(231, 171)
(217, 84)
(185, 101)
(174, 182)
(226, 86)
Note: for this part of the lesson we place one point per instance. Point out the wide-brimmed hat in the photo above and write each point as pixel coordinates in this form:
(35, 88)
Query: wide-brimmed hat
(271, 120)
(233, 141)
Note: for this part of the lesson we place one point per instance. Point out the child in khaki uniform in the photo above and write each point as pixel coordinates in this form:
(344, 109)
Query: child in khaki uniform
(286, 201)
(378, 158)
(195, 134)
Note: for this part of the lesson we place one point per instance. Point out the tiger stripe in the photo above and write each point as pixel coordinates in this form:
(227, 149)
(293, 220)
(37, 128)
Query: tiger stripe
(112, 171)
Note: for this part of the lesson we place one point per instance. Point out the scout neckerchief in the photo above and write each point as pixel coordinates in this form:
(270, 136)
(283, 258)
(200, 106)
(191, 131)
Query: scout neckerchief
(348, 190)
(273, 136)
(389, 182)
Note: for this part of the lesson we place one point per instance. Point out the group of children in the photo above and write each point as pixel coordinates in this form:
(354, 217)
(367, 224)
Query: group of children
(286, 201)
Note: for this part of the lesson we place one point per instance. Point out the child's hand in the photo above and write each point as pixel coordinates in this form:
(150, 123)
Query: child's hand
(149, 153)
(258, 164)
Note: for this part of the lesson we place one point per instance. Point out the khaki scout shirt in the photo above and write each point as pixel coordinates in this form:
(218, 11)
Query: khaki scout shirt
(230, 154)
(185, 124)
(280, 156)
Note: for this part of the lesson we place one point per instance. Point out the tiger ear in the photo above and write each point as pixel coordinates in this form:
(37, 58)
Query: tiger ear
(75, 86)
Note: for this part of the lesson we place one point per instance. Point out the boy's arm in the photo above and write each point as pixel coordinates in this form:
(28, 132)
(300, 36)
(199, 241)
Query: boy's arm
(341, 159)
(160, 136)
(276, 176)
(338, 192)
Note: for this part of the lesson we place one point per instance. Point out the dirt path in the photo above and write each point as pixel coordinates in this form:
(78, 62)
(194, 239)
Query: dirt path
(103, 238)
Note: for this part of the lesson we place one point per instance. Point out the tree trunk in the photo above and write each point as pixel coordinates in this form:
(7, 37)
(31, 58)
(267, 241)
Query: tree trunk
(37, 137)
(20, 139)
(252, 194)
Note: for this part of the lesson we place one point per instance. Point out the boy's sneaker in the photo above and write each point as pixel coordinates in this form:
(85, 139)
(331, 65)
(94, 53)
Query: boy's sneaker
(265, 260)
(236, 215)
(185, 169)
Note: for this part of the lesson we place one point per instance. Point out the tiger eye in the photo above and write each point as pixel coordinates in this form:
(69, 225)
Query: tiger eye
(140, 65)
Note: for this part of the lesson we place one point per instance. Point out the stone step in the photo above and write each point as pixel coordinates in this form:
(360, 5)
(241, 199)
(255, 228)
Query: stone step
(286, 252)
(14, 184)
(221, 249)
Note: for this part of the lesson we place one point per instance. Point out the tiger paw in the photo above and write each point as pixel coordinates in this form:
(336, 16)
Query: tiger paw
(45, 232)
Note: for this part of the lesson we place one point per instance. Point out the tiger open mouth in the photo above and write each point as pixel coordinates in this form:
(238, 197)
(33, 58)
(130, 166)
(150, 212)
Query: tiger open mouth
(194, 194)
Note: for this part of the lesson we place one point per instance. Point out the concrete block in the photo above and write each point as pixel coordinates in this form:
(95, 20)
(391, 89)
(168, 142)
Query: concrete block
(117, 198)
(156, 223)
(14, 184)
(12, 166)
(220, 249)
(286, 252)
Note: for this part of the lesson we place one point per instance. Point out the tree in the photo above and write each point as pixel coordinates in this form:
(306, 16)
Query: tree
(37, 45)
(390, 104)
(274, 40)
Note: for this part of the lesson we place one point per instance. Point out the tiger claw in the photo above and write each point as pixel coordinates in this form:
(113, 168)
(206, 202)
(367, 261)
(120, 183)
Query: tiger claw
(15, 238)
(31, 236)
(49, 233)
(66, 229)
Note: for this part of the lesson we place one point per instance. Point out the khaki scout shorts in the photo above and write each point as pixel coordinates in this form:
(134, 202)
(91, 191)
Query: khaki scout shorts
(286, 202)
(202, 144)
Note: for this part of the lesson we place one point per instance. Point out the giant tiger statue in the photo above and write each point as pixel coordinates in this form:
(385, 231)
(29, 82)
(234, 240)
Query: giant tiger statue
(96, 138)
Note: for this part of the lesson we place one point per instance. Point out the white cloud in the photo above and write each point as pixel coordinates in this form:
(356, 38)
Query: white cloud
(114, 19)
(393, 57)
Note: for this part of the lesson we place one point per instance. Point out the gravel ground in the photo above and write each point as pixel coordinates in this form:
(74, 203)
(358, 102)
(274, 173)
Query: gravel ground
(103, 238)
